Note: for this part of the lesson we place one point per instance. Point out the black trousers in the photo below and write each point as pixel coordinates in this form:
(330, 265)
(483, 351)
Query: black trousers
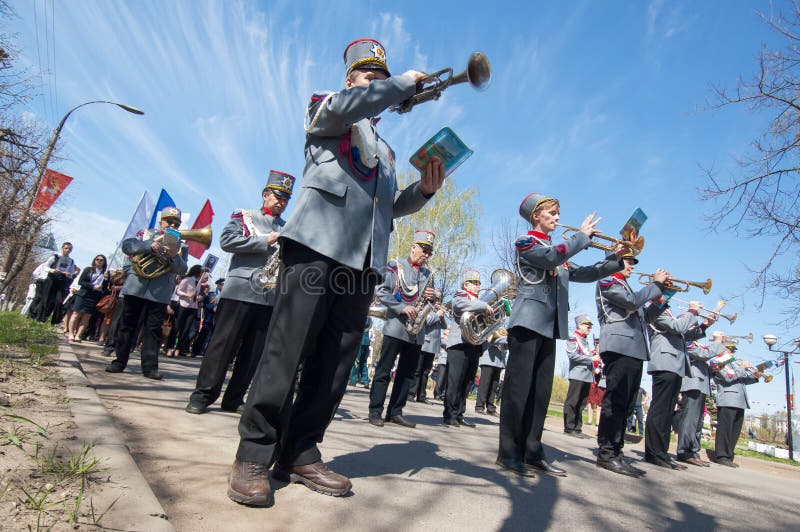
(173, 331)
(419, 386)
(441, 381)
(54, 290)
(36, 304)
(623, 377)
(658, 426)
(577, 394)
(203, 337)
(490, 380)
(690, 429)
(462, 367)
(318, 319)
(241, 333)
(154, 314)
(729, 426)
(526, 394)
(409, 356)
(183, 324)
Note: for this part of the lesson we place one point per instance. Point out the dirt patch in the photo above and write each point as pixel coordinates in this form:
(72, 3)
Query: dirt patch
(46, 473)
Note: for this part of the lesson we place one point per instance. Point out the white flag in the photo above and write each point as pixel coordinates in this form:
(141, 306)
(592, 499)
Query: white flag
(141, 216)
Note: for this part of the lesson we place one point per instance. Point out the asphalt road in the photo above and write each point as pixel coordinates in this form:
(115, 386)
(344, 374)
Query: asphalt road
(429, 478)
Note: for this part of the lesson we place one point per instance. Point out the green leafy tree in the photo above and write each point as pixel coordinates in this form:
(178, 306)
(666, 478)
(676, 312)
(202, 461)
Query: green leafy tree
(452, 214)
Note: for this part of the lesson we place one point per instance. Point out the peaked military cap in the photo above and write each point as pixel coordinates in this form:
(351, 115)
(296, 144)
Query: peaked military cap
(365, 53)
(281, 183)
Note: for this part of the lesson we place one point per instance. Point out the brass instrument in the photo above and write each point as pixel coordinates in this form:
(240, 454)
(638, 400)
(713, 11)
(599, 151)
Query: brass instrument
(266, 277)
(377, 311)
(711, 314)
(476, 327)
(758, 370)
(478, 73)
(424, 308)
(636, 246)
(674, 283)
(748, 338)
(499, 333)
(151, 265)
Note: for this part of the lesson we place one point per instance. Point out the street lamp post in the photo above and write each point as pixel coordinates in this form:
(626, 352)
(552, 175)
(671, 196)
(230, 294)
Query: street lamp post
(771, 340)
(54, 139)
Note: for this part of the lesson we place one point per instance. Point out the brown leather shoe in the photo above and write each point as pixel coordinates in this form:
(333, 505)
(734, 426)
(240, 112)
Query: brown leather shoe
(249, 484)
(317, 477)
(694, 461)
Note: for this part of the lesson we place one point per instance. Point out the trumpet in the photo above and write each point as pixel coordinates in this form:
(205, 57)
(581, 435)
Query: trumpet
(674, 284)
(710, 314)
(636, 246)
(478, 73)
(758, 370)
(748, 338)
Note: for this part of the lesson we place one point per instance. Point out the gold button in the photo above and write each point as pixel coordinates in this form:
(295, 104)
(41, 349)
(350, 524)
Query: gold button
(377, 200)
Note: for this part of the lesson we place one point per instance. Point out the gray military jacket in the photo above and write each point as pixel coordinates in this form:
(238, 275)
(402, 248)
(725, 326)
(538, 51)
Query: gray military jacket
(392, 295)
(581, 365)
(699, 355)
(433, 333)
(668, 337)
(492, 355)
(245, 236)
(340, 212)
(159, 289)
(542, 303)
(731, 389)
(462, 302)
(621, 316)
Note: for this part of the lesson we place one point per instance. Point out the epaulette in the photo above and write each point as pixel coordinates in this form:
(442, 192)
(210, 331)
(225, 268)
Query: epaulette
(525, 243)
(461, 293)
(391, 266)
(573, 340)
(561, 248)
(320, 95)
(238, 213)
(608, 281)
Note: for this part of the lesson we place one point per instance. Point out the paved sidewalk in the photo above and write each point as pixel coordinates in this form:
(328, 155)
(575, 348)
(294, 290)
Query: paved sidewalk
(429, 478)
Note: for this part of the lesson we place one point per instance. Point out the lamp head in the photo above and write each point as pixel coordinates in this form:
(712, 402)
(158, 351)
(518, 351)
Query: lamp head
(130, 108)
(770, 339)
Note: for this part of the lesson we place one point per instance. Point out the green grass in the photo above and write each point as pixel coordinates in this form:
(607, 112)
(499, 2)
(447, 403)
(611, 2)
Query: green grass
(744, 451)
(39, 339)
(79, 465)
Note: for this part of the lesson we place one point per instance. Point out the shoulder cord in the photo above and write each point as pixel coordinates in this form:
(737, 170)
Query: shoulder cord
(544, 272)
(408, 292)
(247, 222)
(601, 299)
(316, 115)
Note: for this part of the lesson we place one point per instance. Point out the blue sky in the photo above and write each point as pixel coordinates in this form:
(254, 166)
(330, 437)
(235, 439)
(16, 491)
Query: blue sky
(597, 103)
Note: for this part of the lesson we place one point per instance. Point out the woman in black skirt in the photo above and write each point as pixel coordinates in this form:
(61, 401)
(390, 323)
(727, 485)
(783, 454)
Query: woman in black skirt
(93, 286)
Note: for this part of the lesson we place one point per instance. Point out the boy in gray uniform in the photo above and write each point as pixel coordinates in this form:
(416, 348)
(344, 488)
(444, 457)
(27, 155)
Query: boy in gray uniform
(405, 289)
(244, 310)
(333, 253)
(581, 375)
(150, 296)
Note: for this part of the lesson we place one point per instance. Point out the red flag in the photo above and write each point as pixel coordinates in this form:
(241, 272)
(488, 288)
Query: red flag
(50, 189)
(203, 219)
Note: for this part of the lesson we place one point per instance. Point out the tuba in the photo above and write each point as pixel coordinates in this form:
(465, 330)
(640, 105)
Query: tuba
(266, 277)
(478, 73)
(151, 265)
(476, 328)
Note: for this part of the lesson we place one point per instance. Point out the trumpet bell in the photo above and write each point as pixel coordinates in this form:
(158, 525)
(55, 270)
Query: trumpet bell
(201, 236)
(478, 72)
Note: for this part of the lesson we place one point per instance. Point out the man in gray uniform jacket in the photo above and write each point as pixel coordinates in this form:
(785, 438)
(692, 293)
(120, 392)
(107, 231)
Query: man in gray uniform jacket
(150, 296)
(731, 403)
(244, 308)
(581, 375)
(695, 388)
(668, 365)
(333, 252)
(407, 288)
(623, 349)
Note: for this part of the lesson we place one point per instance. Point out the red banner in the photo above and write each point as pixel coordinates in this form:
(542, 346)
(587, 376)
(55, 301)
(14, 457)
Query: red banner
(50, 189)
(203, 219)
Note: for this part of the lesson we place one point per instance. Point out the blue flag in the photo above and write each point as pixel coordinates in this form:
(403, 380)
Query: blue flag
(163, 201)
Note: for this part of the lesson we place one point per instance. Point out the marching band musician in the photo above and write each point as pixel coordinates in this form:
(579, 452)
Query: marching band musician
(668, 365)
(732, 401)
(243, 314)
(582, 359)
(538, 318)
(462, 357)
(695, 388)
(434, 326)
(623, 349)
(150, 296)
(405, 292)
(491, 363)
(333, 253)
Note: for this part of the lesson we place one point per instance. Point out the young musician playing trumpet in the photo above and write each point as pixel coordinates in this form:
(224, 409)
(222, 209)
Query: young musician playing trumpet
(539, 317)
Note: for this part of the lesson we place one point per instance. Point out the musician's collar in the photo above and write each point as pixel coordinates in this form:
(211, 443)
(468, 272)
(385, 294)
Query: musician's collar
(473, 294)
(539, 234)
(580, 333)
(618, 276)
(411, 262)
(266, 210)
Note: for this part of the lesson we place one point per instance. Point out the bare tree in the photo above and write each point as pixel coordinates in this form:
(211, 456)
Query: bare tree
(760, 199)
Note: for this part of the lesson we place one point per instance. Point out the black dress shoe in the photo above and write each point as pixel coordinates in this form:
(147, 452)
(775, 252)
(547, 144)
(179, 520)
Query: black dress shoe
(238, 409)
(156, 376)
(480, 411)
(640, 472)
(400, 420)
(424, 401)
(113, 368)
(375, 420)
(516, 466)
(451, 423)
(726, 462)
(543, 465)
(617, 466)
(492, 413)
(660, 462)
(466, 423)
(196, 408)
